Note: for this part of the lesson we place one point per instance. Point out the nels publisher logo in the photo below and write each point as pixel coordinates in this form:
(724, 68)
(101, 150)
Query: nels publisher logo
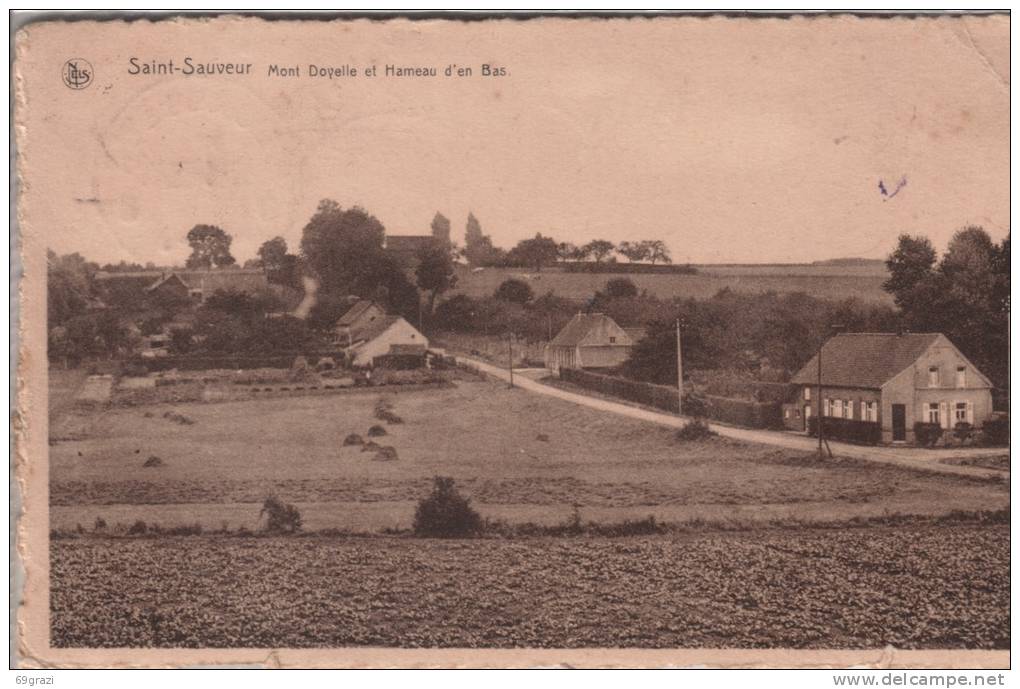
(77, 73)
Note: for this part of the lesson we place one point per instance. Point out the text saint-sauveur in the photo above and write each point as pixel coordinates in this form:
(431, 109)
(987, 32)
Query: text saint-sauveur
(188, 67)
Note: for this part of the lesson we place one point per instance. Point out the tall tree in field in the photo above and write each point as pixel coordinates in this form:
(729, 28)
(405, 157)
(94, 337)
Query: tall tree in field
(435, 272)
(635, 251)
(210, 247)
(341, 244)
(441, 229)
(272, 253)
(344, 247)
(69, 286)
(599, 249)
(911, 270)
(478, 247)
(535, 252)
(656, 251)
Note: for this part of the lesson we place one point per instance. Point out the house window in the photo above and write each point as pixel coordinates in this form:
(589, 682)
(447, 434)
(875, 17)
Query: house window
(963, 412)
(870, 411)
(807, 394)
(961, 376)
(848, 409)
(826, 407)
(933, 377)
(933, 412)
(612, 340)
(837, 408)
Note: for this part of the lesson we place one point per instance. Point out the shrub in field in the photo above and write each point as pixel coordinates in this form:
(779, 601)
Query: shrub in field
(927, 434)
(386, 454)
(354, 439)
(138, 528)
(280, 516)
(183, 530)
(445, 513)
(99, 525)
(153, 461)
(694, 430)
(376, 431)
(995, 431)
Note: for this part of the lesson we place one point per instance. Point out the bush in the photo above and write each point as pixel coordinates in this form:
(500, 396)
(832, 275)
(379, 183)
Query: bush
(848, 430)
(138, 528)
(694, 430)
(153, 461)
(995, 431)
(515, 291)
(280, 516)
(621, 288)
(99, 525)
(386, 454)
(445, 513)
(963, 432)
(927, 434)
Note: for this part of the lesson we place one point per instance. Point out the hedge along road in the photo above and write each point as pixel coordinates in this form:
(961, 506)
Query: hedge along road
(911, 457)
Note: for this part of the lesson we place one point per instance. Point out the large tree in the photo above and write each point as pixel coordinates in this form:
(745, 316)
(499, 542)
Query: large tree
(634, 251)
(535, 252)
(281, 267)
(964, 296)
(344, 247)
(70, 284)
(435, 272)
(210, 247)
(478, 247)
(599, 249)
(441, 229)
(657, 251)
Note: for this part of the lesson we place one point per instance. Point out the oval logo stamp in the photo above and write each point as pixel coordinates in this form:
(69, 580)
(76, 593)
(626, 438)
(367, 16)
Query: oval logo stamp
(77, 73)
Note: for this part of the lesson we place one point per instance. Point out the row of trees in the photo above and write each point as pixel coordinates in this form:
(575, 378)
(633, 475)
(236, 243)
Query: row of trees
(540, 251)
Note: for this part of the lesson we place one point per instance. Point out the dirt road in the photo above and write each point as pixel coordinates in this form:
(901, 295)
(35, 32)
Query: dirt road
(913, 457)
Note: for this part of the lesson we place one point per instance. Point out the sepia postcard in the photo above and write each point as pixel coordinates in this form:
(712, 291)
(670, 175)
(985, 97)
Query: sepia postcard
(513, 341)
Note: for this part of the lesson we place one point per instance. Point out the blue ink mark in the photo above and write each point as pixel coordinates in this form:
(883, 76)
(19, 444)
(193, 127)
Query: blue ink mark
(886, 193)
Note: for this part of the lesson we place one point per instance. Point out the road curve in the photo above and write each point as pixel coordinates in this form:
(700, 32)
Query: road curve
(910, 457)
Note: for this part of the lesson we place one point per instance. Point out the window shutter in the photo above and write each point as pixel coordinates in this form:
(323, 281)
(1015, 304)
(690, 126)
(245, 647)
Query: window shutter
(944, 414)
(970, 413)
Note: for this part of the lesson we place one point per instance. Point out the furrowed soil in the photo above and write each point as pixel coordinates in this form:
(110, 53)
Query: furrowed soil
(910, 587)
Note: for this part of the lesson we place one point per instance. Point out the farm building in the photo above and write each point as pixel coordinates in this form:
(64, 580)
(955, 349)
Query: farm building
(589, 340)
(193, 285)
(366, 331)
(894, 380)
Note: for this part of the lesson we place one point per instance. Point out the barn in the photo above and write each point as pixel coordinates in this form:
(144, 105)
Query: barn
(589, 340)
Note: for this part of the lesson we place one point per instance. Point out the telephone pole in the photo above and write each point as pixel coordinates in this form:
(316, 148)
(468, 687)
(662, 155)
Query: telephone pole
(510, 356)
(679, 372)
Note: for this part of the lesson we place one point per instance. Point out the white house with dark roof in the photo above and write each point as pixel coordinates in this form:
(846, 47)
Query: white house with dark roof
(366, 331)
(895, 380)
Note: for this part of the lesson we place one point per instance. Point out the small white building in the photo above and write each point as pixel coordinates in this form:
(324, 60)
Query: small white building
(381, 336)
(590, 340)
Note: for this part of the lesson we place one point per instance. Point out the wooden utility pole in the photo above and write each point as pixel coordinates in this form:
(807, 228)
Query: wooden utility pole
(818, 401)
(679, 372)
(510, 356)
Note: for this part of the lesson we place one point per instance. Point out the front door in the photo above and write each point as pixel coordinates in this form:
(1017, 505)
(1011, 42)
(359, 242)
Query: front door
(899, 422)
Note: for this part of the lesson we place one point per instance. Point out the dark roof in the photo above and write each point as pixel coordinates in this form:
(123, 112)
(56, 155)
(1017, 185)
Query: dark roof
(355, 312)
(590, 329)
(865, 360)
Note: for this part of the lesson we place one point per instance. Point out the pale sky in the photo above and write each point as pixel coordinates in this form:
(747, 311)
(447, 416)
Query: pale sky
(750, 141)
